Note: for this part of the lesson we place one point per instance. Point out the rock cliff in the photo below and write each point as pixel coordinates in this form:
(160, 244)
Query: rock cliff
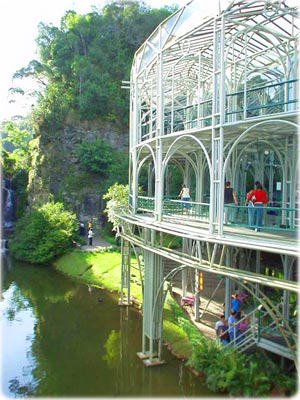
(56, 172)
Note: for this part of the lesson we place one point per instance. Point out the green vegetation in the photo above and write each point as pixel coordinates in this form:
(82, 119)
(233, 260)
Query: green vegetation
(100, 269)
(98, 157)
(82, 63)
(117, 196)
(16, 146)
(44, 233)
(236, 373)
(95, 156)
(81, 67)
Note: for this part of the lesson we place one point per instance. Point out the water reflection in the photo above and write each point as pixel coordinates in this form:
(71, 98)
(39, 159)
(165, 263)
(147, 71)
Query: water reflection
(58, 339)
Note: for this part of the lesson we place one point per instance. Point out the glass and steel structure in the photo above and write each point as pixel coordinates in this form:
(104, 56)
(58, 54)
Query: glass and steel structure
(214, 96)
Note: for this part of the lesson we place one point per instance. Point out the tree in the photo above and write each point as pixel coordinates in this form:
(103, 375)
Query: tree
(44, 233)
(83, 62)
(15, 147)
(117, 196)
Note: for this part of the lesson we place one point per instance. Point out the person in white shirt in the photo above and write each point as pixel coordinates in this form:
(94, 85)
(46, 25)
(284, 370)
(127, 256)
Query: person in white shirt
(90, 236)
(185, 197)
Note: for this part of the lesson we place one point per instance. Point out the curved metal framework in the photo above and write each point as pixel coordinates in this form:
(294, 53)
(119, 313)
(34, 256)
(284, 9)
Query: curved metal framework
(216, 97)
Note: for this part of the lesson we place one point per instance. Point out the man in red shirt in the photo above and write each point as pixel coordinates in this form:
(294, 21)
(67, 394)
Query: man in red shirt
(257, 198)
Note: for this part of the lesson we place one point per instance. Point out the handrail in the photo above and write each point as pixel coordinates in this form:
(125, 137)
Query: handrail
(258, 325)
(203, 117)
(274, 218)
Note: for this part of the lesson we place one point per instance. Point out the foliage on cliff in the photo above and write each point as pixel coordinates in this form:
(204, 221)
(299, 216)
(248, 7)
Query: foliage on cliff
(44, 233)
(15, 147)
(83, 62)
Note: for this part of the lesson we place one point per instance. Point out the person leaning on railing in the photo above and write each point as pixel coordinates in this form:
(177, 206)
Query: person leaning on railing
(256, 198)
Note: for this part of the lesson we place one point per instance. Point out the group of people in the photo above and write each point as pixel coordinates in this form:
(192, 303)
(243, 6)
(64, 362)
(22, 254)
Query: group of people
(230, 331)
(255, 200)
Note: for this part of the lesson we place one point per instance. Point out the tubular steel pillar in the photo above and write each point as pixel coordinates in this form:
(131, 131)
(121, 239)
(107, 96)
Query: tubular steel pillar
(153, 303)
(124, 299)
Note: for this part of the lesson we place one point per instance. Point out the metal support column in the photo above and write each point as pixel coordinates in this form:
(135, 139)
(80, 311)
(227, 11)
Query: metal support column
(152, 308)
(124, 299)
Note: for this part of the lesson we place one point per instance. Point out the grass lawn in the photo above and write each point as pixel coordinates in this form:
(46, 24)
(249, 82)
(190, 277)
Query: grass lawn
(97, 268)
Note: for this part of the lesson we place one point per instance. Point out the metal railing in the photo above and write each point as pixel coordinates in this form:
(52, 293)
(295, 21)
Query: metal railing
(262, 331)
(241, 105)
(274, 218)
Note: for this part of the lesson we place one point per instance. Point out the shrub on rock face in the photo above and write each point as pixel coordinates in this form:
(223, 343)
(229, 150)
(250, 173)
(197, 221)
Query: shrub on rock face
(44, 233)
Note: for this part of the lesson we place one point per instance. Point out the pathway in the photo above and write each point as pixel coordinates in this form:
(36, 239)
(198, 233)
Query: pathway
(98, 244)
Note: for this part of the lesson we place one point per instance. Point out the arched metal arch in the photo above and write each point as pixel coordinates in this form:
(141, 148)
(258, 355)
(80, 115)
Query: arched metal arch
(255, 29)
(199, 143)
(145, 159)
(276, 151)
(245, 133)
(188, 158)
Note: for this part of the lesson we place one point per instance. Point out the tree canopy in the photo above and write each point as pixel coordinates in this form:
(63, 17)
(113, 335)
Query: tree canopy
(83, 62)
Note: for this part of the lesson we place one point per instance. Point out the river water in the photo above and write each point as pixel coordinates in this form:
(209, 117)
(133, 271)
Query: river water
(61, 339)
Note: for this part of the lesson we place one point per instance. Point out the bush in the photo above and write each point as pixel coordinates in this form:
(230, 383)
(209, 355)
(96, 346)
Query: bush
(44, 233)
(95, 156)
(238, 374)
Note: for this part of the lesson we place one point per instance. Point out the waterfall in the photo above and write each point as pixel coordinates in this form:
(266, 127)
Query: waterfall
(7, 204)
(4, 245)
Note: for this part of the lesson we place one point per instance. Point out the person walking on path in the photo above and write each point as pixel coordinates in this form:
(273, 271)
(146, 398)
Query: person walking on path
(90, 236)
(185, 197)
(256, 198)
(230, 200)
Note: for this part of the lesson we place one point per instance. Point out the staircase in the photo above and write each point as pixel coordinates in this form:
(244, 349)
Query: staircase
(264, 333)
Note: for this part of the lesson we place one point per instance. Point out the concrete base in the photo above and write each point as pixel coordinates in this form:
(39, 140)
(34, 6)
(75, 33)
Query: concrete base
(124, 302)
(155, 361)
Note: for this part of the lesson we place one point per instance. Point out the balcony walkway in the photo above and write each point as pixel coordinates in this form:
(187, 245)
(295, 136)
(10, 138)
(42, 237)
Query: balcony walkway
(277, 241)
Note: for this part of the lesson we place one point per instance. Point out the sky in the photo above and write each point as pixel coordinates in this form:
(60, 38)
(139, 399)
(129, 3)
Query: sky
(18, 30)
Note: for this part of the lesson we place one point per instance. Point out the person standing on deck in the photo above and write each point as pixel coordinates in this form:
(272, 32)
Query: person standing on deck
(257, 198)
(185, 197)
(229, 199)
